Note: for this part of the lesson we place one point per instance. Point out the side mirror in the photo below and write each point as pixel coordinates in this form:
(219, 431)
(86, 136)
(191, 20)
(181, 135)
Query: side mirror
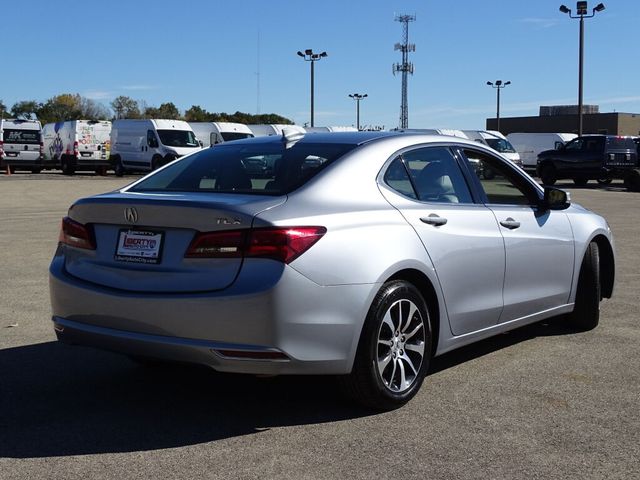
(555, 199)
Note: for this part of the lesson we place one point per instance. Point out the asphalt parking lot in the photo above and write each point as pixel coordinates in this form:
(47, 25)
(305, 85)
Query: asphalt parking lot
(538, 402)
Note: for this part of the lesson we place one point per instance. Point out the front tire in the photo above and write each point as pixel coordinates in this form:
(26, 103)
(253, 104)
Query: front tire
(67, 166)
(586, 310)
(394, 349)
(548, 175)
(118, 168)
(604, 181)
(580, 182)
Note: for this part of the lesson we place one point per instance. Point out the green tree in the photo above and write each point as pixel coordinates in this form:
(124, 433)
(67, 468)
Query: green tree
(197, 114)
(3, 110)
(125, 107)
(166, 110)
(66, 106)
(25, 109)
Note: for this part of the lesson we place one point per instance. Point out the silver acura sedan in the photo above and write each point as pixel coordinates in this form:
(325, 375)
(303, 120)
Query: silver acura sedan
(361, 255)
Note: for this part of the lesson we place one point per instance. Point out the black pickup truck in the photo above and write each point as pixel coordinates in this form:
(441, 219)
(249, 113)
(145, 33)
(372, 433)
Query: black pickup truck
(592, 157)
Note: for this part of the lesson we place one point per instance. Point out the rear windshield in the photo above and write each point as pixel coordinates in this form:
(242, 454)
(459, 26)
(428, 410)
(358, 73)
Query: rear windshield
(229, 136)
(178, 138)
(500, 145)
(621, 143)
(21, 136)
(259, 168)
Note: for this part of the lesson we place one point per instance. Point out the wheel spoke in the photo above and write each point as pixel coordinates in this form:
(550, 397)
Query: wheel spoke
(410, 363)
(388, 321)
(382, 364)
(418, 348)
(412, 311)
(393, 373)
(403, 377)
(414, 331)
(388, 343)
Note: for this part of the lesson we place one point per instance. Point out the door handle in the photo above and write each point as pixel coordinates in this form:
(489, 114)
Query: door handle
(510, 223)
(434, 220)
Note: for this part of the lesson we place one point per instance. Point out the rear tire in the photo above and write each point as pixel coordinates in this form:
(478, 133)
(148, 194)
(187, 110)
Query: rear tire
(580, 182)
(118, 168)
(67, 166)
(394, 349)
(604, 181)
(548, 174)
(36, 170)
(586, 311)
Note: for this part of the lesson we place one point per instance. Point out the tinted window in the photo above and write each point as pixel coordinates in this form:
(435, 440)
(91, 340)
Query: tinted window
(260, 168)
(500, 145)
(178, 138)
(623, 143)
(501, 184)
(229, 136)
(575, 144)
(21, 136)
(433, 175)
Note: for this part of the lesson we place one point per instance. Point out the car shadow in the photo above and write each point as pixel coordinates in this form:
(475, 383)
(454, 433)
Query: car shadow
(57, 400)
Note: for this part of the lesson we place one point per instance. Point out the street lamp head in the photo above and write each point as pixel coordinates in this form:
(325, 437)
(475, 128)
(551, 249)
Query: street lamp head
(507, 83)
(564, 9)
(300, 53)
(324, 54)
(490, 83)
(581, 8)
(365, 95)
(598, 8)
(308, 51)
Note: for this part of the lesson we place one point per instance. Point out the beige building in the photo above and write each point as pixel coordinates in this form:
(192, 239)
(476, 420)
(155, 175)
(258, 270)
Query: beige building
(565, 119)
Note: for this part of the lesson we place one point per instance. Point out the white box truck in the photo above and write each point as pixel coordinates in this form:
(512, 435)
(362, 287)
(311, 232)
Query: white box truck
(212, 133)
(21, 145)
(77, 145)
(144, 145)
(529, 145)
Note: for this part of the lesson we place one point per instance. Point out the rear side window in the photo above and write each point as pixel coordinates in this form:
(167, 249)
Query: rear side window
(21, 136)
(254, 168)
(430, 175)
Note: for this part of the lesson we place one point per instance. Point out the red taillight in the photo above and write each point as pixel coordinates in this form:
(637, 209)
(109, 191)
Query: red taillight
(282, 244)
(75, 149)
(76, 234)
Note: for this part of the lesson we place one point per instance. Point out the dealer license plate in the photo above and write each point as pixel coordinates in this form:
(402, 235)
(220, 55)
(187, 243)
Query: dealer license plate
(138, 246)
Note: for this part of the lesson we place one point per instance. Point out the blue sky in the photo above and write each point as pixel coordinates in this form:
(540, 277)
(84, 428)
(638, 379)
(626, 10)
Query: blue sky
(209, 53)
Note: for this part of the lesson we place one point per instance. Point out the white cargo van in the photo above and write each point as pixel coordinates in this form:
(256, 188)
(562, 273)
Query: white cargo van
(212, 133)
(497, 141)
(263, 130)
(145, 145)
(529, 145)
(21, 144)
(77, 145)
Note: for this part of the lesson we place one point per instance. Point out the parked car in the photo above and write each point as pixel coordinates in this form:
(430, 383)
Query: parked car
(591, 157)
(77, 145)
(363, 255)
(21, 144)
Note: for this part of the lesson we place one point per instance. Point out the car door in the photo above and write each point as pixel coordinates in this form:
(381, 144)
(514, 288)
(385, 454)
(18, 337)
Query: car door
(461, 237)
(539, 244)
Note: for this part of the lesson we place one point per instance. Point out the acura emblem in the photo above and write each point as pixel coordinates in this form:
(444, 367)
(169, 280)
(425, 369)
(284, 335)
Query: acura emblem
(131, 215)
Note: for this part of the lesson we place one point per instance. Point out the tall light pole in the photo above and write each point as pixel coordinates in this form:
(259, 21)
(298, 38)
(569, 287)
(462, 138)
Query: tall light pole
(498, 85)
(309, 56)
(581, 13)
(357, 97)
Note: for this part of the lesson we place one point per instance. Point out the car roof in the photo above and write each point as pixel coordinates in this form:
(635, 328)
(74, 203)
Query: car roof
(345, 138)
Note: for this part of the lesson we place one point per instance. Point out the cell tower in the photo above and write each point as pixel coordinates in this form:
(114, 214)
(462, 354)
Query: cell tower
(406, 66)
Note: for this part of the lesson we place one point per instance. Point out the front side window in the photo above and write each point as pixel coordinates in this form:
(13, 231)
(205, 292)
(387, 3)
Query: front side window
(178, 138)
(575, 145)
(429, 174)
(259, 168)
(501, 184)
(152, 141)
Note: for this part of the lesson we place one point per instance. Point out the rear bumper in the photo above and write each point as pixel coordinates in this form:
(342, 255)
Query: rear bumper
(317, 328)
